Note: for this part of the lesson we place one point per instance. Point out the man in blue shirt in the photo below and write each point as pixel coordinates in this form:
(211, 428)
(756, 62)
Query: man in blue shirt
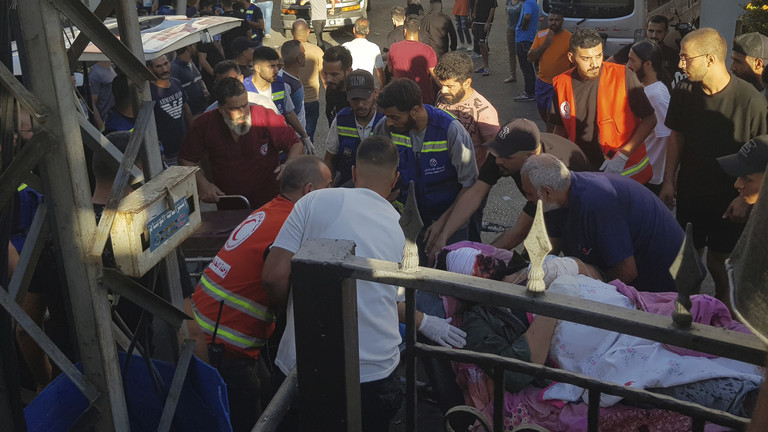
(525, 33)
(608, 221)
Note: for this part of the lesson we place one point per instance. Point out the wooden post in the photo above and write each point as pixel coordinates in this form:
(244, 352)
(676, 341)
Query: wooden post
(327, 355)
(68, 199)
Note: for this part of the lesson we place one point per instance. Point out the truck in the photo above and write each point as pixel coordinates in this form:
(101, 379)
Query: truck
(346, 12)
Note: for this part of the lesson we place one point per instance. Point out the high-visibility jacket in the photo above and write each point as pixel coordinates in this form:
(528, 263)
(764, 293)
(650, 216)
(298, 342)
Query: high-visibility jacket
(615, 120)
(346, 126)
(278, 91)
(234, 276)
(432, 171)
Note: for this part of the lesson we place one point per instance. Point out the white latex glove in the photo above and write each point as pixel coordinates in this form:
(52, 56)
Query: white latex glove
(555, 266)
(615, 165)
(440, 331)
(308, 146)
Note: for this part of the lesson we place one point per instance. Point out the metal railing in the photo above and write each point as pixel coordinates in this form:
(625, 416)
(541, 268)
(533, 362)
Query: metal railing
(327, 354)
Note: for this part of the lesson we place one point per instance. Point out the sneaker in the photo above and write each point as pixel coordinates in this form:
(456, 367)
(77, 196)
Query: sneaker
(470, 47)
(476, 56)
(482, 70)
(524, 98)
(267, 36)
(510, 79)
(486, 72)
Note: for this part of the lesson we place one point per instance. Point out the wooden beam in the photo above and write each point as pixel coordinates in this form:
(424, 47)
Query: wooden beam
(77, 47)
(33, 247)
(46, 344)
(119, 184)
(23, 163)
(94, 29)
(699, 337)
(174, 393)
(21, 94)
(69, 202)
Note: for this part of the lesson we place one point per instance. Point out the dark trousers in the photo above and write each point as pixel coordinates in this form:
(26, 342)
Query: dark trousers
(379, 402)
(318, 26)
(312, 113)
(529, 75)
(247, 380)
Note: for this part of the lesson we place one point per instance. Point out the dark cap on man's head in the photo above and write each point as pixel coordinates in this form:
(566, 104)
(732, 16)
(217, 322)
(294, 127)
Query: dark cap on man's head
(752, 158)
(359, 84)
(242, 43)
(517, 135)
(751, 44)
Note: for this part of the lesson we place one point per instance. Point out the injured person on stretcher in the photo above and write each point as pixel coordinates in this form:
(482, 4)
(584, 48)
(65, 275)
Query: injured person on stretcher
(715, 382)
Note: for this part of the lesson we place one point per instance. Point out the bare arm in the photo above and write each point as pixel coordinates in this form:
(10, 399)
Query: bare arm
(401, 314)
(293, 121)
(512, 237)
(643, 129)
(381, 76)
(330, 161)
(535, 54)
(202, 59)
(539, 336)
(188, 117)
(526, 21)
(625, 271)
(208, 191)
(456, 216)
(674, 149)
(276, 276)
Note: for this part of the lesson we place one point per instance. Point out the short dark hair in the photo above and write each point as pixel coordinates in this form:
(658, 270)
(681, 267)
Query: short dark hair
(300, 171)
(227, 88)
(225, 66)
(378, 151)
(660, 19)
(412, 24)
(556, 10)
(120, 89)
(454, 65)
(205, 3)
(226, 3)
(290, 48)
(182, 50)
(585, 38)
(648, 50)
(402, 93)
(149, 62)
(338, 53)
(265, 53)
(103, 168)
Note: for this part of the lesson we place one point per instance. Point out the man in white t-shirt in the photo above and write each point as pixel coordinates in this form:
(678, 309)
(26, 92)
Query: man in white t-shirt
(365, 216)
(646, 60)
(366, 55)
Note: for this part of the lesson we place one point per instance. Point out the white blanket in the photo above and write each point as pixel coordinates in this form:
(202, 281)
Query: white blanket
(623, 359)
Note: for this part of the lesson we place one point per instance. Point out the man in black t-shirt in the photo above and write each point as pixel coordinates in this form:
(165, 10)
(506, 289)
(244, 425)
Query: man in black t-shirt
(656, 30)
(337, 64)
(711, 114)
(515, 142)
(482, 18)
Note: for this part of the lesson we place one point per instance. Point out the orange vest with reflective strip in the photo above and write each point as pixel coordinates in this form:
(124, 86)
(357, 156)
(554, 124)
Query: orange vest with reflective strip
(615, 121)
(234, 276)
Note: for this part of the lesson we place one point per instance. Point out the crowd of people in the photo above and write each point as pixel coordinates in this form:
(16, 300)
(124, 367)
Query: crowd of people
(634, 148)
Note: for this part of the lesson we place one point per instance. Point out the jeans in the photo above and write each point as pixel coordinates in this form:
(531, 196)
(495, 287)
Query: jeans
(511, 53)
(266, 10)
(462, 29)
(529, 75)
(317, 26)
(312, 112)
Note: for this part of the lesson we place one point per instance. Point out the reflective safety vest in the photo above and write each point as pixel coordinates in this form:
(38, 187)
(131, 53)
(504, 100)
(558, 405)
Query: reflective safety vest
(348, 141)
(256, 33)
(278, 91)
(234, 276)
(615, 120)
(435, 178)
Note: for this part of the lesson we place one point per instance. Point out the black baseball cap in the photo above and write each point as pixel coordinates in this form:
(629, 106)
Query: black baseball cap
(359, 84)
(517, 135)
(242, 43)
(751, 158)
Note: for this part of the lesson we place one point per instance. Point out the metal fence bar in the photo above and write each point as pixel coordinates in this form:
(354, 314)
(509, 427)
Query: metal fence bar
(174, 393)
(410, 361)
(593, 411)
(279, 405)
(629, 393)
(498, 399)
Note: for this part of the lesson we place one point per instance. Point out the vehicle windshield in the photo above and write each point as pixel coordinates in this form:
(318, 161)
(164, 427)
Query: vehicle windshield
(591, 8)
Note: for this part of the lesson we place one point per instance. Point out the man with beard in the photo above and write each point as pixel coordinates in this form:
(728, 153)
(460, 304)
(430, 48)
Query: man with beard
(351, 125)
(645, 60)
(242, 142)
(474, 112)
(603, 109)
(656, 30)
(550, 49)
(515, 142)
(750, 54)
(337, 65)
(711, 114)
(612, 222)
(172, 113)
(266, 81)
